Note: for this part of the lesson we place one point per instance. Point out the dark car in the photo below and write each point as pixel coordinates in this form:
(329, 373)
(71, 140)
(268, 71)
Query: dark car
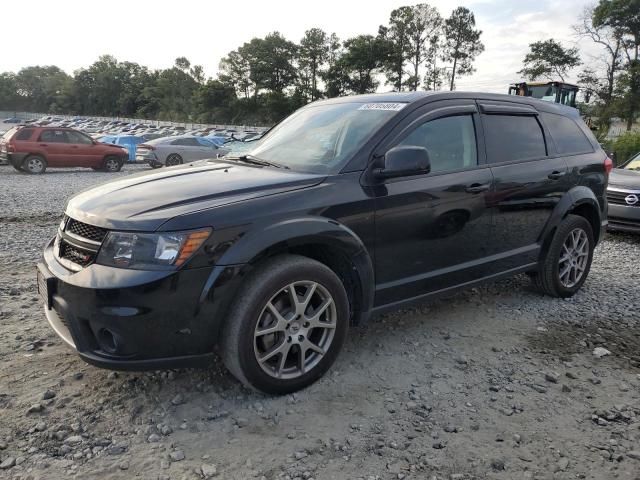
(623, 194)
(34, 149)
(349, 207)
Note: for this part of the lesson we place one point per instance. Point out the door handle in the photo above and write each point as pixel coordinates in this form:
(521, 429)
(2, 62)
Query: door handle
(556, 175)
(74, 146)
(477, 188)
(44, 144)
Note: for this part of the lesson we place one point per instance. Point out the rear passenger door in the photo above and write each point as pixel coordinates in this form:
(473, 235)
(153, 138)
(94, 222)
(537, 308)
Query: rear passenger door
(54, 144)
(187, 148)
(529, 180)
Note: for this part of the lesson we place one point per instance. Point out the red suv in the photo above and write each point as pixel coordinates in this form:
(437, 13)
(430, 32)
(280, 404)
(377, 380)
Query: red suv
(33, 149)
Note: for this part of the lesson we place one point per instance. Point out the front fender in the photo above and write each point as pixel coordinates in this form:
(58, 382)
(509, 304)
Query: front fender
(310, 230)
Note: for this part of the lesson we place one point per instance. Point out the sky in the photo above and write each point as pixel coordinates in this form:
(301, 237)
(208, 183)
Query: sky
(72, 33)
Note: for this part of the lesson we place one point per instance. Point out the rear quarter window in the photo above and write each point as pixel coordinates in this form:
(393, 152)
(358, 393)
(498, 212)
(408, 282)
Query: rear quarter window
(513, 138)
(24, 134)
(566, 134)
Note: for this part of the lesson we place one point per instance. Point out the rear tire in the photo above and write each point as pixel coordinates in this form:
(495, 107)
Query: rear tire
(34, 164)
(173, 160)
(566, 266)
(286, 326)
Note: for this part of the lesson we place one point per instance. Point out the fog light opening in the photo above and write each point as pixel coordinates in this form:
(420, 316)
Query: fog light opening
(107, 341)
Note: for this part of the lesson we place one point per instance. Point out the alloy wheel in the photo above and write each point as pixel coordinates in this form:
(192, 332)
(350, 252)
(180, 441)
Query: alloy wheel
(574, 258)
(295, 330)
(111, 165)
(35, 165)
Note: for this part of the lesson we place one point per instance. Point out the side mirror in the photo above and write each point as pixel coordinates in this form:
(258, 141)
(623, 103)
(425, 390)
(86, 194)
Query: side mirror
(404, 161)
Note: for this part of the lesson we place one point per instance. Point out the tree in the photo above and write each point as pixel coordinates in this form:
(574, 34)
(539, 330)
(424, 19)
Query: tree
(312, 55)
(182, 63)
(397, 36)
(611, 42)
(549, 59)
(214, 101)
(462, 42)
(9, 98)
(363, 55)
(39, 86)
(623, 17)
(235, 71)
(424, 30)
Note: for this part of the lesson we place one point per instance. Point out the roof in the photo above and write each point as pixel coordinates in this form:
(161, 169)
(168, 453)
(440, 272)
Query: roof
(419, 98)
(549, 82)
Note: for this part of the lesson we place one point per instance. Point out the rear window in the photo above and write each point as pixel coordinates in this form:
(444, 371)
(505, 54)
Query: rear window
(566, 134)
(513, 137)
(24, 134)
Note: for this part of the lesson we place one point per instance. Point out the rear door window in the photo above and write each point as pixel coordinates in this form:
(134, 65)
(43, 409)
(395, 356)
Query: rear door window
(566, 134)
(513, 138)
(186, 142)
(53, 136)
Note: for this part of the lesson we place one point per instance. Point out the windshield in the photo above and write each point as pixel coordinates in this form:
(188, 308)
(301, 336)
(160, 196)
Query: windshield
(322, 139)
(543, 92)
(633, 164)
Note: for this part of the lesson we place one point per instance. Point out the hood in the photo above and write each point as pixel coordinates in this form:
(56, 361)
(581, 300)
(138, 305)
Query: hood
(145, 201)
(620, 177)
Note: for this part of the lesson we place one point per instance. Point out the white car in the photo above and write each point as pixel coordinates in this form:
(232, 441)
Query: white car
(170, 151)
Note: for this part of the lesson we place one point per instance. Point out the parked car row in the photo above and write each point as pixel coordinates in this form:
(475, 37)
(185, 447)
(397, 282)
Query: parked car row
(99, 128)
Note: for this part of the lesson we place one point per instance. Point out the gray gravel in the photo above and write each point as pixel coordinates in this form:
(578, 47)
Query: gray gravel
(495, 382)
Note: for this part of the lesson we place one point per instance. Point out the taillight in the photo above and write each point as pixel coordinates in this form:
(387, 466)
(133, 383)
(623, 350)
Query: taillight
(11, 148)
(148, 147)
(608, 165)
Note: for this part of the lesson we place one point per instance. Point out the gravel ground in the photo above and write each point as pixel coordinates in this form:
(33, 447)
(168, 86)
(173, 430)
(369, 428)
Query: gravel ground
(495, 382)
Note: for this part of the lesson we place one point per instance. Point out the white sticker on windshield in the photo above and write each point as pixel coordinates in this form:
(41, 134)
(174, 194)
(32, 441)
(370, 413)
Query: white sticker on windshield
(392, 107)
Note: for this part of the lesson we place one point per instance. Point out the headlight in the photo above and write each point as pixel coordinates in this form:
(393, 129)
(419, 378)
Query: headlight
(150, 250)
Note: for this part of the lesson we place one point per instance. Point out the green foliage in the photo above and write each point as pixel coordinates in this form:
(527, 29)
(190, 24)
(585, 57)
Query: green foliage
(549, 59)
(625, 146)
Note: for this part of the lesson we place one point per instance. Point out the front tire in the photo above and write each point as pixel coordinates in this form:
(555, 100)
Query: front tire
(112, 164)
(34, 164)
(566, 266)
(286, 325)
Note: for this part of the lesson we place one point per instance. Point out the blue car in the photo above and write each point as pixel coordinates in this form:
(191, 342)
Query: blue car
(130, 142)
(12, 120)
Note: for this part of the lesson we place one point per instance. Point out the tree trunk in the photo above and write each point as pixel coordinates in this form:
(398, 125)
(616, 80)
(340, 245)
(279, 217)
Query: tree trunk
(313, 80)
(453, 72)
(634, 87)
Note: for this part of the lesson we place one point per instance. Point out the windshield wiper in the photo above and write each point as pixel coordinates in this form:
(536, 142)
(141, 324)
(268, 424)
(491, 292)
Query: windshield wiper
(257, 161)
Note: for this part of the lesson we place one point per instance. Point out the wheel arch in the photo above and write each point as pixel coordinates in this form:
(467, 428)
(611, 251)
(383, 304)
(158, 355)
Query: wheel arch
(321, 239)
(578, 201)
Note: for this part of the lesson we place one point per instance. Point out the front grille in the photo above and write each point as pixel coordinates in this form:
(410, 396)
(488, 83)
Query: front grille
(78, 243)
(95, 234)
(76, 255)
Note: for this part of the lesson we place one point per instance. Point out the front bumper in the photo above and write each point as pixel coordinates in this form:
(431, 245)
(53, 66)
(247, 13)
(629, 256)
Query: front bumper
(137, 320)
(624, 218)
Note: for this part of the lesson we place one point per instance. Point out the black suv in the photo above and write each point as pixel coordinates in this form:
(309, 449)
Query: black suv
(349, 207)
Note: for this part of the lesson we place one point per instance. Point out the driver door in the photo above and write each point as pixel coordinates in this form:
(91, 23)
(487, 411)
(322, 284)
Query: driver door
(433, 231)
